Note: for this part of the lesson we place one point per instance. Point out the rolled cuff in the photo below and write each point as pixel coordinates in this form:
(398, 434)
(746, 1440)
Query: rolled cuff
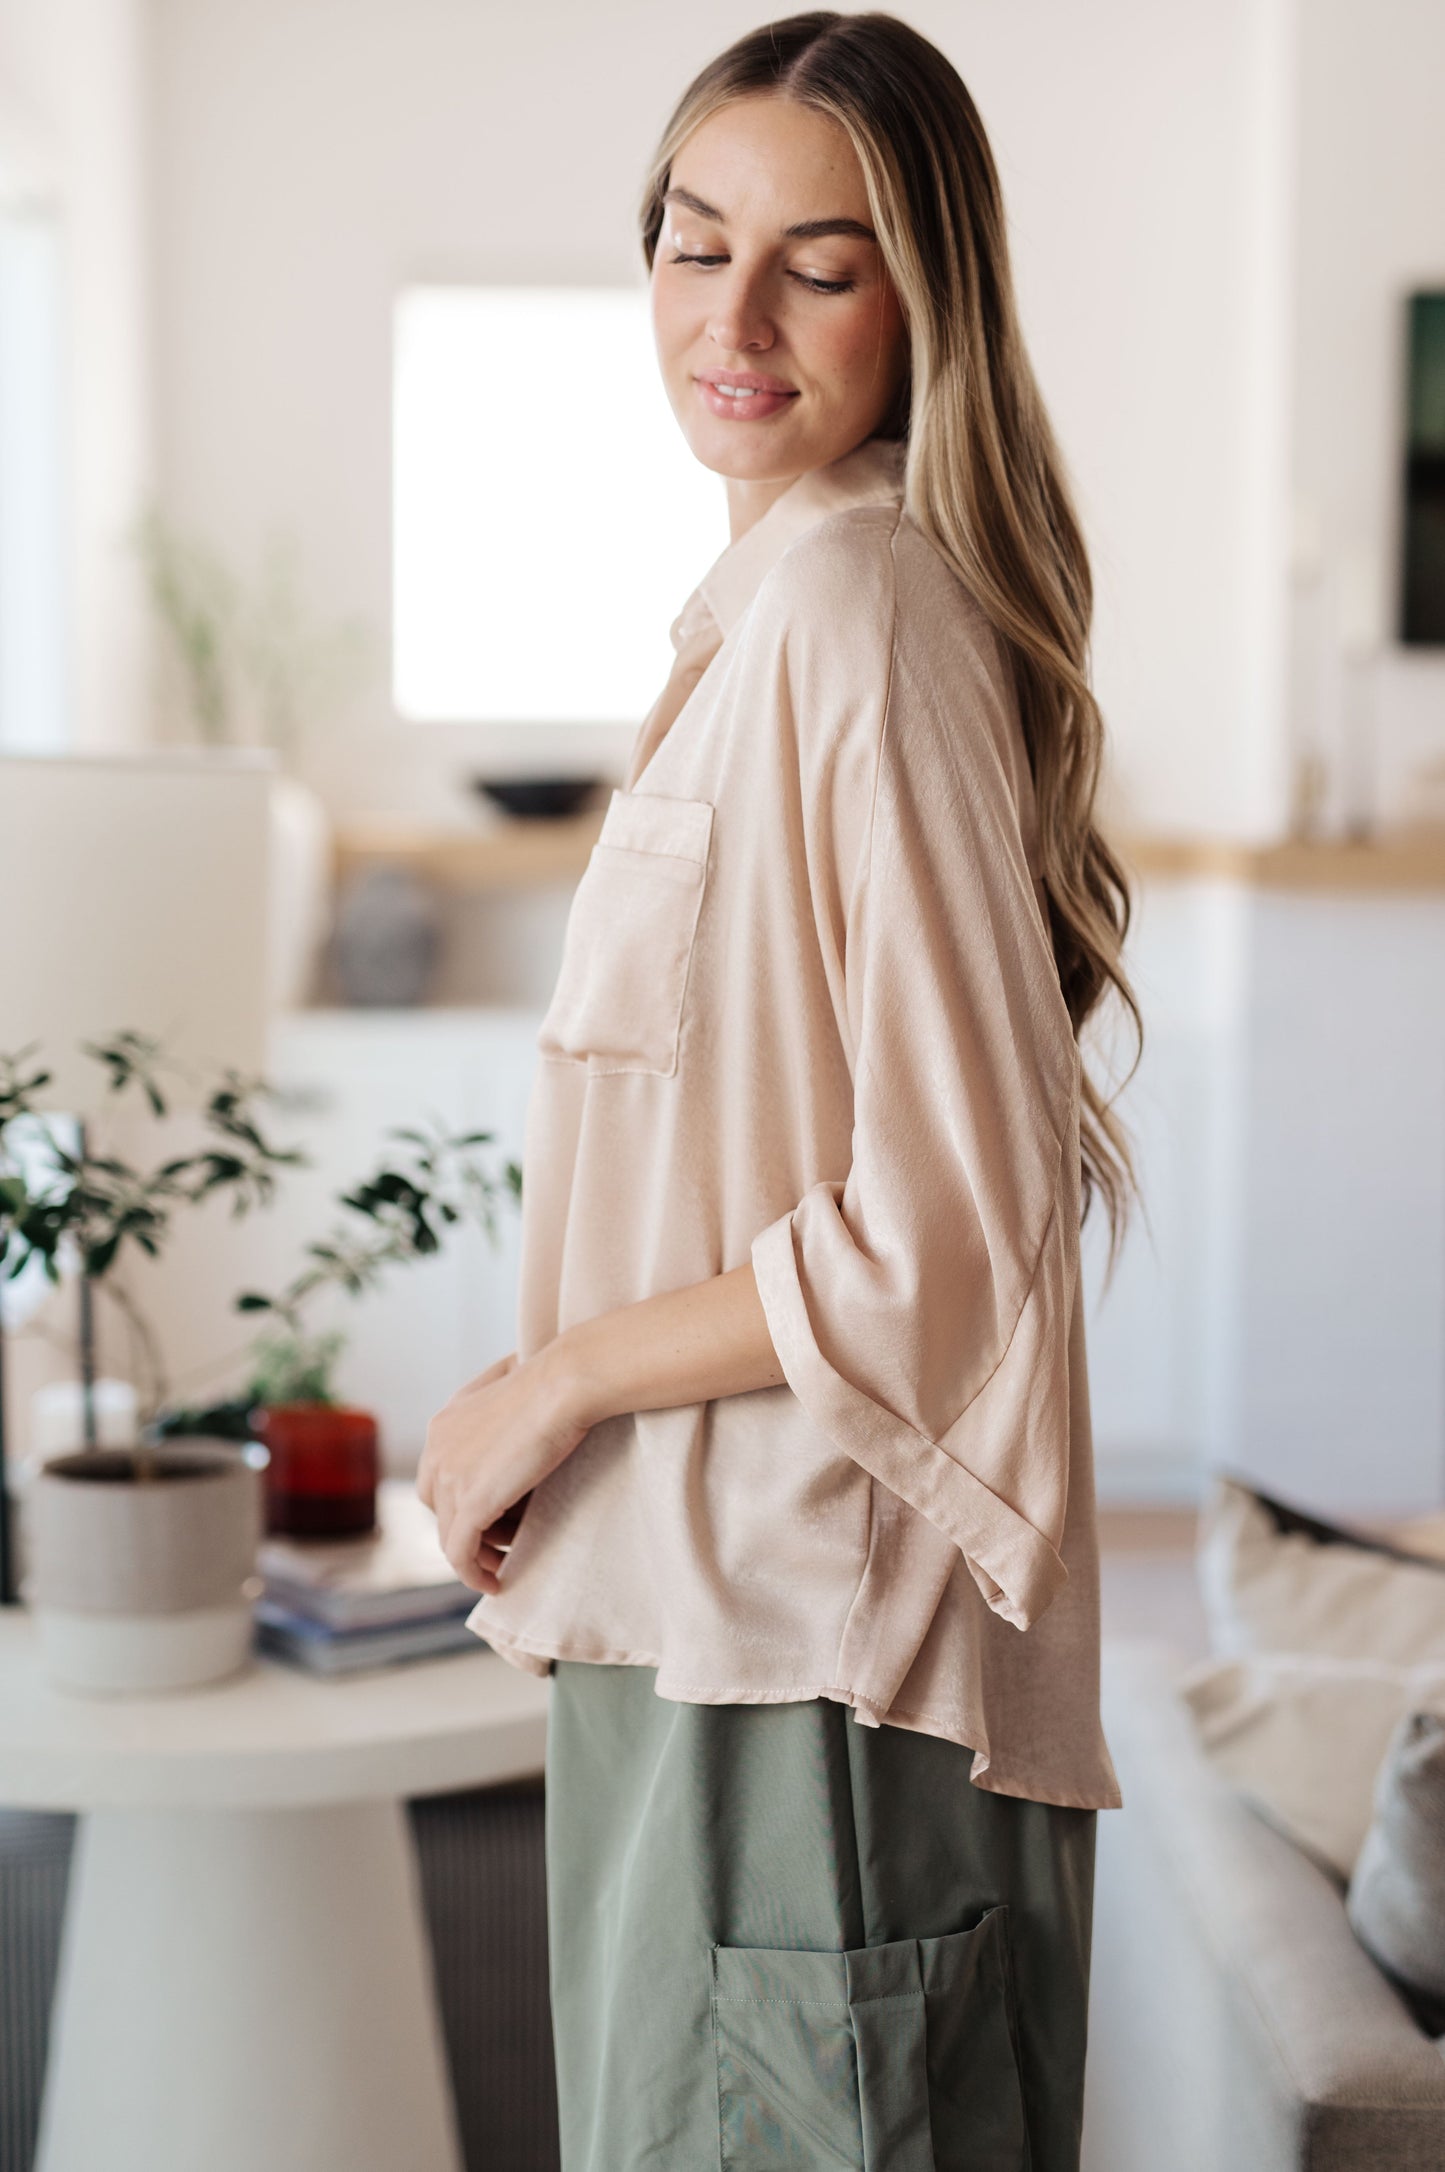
(1015, 1567)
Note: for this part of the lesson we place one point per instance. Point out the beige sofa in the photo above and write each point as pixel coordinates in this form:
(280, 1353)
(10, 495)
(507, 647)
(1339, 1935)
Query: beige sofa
(1236, 2024)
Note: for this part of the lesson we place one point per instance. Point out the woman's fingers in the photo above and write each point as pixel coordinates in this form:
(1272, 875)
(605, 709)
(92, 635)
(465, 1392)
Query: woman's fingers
(481, 1568)
(464, 1545)
(474, 1560)
(486, 1450)
(504, 1530)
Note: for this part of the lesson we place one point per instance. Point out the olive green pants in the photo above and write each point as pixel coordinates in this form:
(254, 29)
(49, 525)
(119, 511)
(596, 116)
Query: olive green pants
(782, 1939)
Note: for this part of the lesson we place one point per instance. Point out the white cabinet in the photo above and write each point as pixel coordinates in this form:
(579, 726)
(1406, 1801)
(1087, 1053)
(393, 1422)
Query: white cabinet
(1288, 1319)
(1333, 1376)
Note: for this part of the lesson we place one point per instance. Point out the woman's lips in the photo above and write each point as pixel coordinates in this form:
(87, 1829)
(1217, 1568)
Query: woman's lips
(740, 406)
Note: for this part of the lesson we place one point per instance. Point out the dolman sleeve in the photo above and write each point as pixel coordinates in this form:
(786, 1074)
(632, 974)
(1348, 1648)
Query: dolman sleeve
(920, 1305)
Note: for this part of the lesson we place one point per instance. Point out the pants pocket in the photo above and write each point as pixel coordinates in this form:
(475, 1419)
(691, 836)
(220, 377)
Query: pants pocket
(975, 2088)
(893, 2058)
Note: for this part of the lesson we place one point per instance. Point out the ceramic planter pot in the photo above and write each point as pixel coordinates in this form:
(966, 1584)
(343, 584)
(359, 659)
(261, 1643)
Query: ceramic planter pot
(141, 1583)
(323, 1468)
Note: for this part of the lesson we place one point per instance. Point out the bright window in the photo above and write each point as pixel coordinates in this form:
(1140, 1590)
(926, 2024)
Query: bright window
(549, 520)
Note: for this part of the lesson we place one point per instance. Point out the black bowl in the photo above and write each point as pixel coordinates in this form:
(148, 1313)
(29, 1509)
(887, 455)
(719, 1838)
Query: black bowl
(538, 796)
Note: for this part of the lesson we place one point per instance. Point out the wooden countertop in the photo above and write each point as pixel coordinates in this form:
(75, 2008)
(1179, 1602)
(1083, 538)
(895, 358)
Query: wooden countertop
(511, 853)
(1391, 861)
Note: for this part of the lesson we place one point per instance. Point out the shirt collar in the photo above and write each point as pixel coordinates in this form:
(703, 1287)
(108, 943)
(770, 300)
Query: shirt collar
(872, 473)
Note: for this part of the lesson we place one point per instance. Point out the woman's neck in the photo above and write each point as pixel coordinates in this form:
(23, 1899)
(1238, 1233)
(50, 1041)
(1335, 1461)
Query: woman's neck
(749, 500)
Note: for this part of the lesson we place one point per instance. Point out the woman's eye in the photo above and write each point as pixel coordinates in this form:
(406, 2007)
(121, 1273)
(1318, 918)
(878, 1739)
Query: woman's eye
(819, 286)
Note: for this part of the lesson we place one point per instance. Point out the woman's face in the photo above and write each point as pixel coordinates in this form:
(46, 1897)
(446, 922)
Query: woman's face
(766, 275)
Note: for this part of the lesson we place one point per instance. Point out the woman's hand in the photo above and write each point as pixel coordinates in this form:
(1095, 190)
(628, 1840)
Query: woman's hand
(486, 1449)
(503, 1432)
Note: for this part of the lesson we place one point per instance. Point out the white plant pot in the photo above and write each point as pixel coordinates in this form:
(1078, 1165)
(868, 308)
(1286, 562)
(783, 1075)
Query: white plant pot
(141, 1584)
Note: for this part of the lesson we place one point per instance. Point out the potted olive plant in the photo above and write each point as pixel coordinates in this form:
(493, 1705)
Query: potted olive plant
(139, 1558)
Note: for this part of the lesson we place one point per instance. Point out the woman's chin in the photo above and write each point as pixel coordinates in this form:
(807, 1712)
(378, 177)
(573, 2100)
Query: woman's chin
(748, 452)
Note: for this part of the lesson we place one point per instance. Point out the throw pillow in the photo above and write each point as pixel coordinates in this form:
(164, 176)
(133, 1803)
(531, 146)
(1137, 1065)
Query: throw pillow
(1302, 1736)
(1275, 1579)
(1419, 1535)
(1396, 1900)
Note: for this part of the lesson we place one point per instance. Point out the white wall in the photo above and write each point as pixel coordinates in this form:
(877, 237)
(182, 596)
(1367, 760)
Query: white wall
(311, 155)
(1371, 225)
(74, 78)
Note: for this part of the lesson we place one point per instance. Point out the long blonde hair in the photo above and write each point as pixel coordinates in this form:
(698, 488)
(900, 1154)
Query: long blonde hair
(984, 477)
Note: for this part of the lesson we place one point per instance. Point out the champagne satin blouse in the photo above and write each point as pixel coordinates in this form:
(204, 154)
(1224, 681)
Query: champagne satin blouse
(808, 1014)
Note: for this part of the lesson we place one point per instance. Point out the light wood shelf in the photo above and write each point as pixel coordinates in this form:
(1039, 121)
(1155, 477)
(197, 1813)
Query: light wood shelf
(515, 853)
(1392, 861)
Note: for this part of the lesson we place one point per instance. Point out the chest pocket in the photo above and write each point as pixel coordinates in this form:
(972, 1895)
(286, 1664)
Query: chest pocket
(617, 1005)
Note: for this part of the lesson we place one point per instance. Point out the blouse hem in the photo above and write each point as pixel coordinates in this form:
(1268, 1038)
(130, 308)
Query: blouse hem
(532, 1655)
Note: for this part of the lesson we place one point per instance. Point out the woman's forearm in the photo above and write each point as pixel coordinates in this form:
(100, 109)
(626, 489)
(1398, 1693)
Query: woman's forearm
(684, 1346)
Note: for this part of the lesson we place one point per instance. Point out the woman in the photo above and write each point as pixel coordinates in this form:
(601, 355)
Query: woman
(789, 1481)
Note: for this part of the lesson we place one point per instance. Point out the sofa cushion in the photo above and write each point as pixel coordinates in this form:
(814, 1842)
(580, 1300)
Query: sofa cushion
(1396, 1899)
(1237, 2024)
(1276, 1579)
(1301, 1737)
(1420, 1535)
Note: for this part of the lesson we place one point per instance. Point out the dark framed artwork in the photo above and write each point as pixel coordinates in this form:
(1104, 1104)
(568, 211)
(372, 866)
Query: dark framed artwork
(1422, 571)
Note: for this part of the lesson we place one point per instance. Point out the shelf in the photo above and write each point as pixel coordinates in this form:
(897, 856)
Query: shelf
(1395, 861)
(514, 853)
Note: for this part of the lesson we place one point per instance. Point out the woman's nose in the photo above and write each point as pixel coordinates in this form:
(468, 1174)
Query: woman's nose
(739, 317)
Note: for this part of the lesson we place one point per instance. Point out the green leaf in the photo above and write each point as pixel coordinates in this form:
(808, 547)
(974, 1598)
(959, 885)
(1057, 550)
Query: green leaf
(390, 1185)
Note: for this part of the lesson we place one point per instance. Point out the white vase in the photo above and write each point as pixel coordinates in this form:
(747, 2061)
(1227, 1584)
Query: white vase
(300, 901)
(143, 1584)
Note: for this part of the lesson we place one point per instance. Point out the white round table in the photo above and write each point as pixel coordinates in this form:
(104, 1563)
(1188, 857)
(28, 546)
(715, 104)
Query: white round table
(245, 1983)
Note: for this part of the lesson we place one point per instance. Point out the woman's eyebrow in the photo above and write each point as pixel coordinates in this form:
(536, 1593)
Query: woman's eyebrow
(805, 230)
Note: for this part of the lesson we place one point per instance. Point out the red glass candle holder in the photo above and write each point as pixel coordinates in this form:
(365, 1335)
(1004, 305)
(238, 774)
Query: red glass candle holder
(323, 1469)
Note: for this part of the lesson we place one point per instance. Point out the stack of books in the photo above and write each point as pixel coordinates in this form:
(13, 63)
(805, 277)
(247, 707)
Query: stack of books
(341, 1606)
